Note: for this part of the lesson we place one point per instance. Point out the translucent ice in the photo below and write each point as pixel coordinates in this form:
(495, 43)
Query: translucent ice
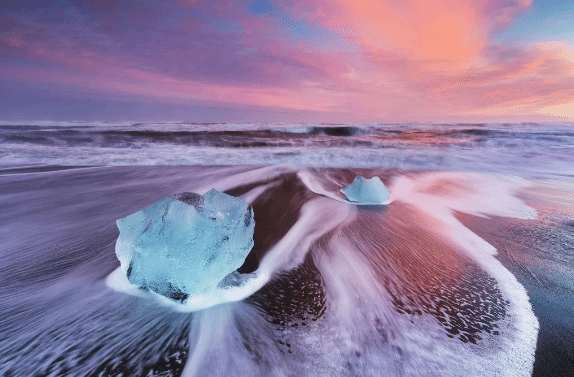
(187, 244)
(366, 191)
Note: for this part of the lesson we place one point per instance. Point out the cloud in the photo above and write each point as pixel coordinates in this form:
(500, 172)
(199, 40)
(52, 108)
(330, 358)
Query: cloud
(563, 111)
(442, 55)
(375, 59)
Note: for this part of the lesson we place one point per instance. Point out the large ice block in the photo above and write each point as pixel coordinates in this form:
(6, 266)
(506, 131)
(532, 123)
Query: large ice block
(367, 191)
(187, 244)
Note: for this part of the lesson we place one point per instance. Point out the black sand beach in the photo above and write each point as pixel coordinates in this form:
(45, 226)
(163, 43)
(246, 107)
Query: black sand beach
(386, 289)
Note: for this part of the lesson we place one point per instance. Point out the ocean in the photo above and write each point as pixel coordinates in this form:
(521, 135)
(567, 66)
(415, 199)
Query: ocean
(469, 271)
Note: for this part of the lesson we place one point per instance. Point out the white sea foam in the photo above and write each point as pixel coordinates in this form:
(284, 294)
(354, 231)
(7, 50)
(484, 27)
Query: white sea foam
(356, 300)
(479, 194)
(314, 184)
(360, 332)
(524, 150)
(317, 218)
(438, 195)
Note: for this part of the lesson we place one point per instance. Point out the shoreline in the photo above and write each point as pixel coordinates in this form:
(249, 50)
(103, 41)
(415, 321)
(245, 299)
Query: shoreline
(515, 241)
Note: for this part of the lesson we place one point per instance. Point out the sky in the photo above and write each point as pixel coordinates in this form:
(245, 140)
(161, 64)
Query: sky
(287, 60)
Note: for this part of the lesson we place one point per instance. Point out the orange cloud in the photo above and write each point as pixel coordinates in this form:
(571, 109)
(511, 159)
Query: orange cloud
(441, 56)
(564, 111)
(388, 60)
(442, 29)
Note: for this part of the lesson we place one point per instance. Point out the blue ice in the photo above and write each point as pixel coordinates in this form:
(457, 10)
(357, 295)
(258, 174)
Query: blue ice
(367, 191)
(187, 244)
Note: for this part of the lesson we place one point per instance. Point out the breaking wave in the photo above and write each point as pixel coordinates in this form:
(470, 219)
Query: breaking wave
(512, 149)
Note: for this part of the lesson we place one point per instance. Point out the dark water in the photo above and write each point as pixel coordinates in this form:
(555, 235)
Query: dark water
(406, 289)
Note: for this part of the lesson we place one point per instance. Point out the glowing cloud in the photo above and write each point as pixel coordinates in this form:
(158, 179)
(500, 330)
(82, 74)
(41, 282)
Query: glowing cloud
(375, 60)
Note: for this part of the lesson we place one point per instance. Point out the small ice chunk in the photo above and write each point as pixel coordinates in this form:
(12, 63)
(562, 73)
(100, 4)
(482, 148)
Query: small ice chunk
(366, 191)
(187, 244)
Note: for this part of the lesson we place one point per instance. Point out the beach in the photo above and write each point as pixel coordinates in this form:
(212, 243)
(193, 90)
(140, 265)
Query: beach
(355, 291)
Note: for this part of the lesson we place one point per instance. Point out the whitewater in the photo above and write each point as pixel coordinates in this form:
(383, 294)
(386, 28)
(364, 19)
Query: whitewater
(446, 279)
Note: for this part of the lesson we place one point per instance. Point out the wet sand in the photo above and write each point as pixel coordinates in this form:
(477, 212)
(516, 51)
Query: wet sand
(540, 253)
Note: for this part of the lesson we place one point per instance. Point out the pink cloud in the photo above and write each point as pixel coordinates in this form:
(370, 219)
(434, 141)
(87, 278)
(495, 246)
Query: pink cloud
(396, 59)
(156, 86)
(441, 55)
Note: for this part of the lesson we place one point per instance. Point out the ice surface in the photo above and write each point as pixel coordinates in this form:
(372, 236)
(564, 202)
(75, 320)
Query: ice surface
(366, 191)
(187, 244)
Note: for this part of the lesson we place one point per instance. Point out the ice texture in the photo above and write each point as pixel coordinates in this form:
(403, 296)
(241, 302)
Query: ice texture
(366, 191)
(186, 244)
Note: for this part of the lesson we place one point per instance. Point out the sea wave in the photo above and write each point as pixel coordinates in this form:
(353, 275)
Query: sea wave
(404, 289)
(523, 150)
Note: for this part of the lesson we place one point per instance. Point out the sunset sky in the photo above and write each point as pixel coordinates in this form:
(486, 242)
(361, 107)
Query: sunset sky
(287, 60)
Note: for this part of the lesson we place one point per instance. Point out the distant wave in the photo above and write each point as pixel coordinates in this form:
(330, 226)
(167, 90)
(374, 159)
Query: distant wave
(513, 149)
(329, 131)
